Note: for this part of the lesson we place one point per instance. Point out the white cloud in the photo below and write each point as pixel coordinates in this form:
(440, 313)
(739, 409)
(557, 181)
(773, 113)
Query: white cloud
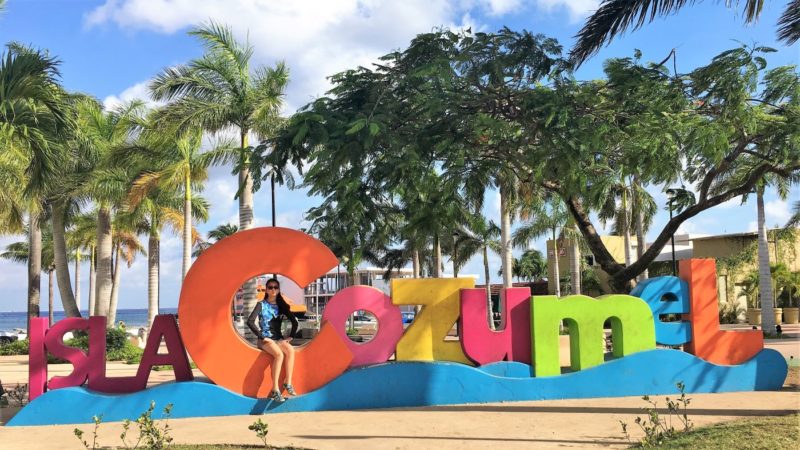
(136, 92)
(777, 212)
(316, 38)
(502, 7)
(577, 9)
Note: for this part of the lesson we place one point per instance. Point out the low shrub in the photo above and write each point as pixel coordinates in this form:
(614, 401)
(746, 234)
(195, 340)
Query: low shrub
(14, 348)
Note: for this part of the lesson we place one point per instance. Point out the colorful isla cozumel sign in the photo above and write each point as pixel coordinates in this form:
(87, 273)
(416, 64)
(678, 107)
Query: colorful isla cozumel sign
(520, 361)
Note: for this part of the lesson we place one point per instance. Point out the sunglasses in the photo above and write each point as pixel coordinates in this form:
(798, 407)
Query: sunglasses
(273, 288)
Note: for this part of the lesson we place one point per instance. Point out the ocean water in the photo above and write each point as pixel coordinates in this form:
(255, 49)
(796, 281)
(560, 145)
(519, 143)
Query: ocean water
(131, 317)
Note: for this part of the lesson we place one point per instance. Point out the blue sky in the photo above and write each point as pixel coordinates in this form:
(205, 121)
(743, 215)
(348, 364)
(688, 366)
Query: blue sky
(111, 48)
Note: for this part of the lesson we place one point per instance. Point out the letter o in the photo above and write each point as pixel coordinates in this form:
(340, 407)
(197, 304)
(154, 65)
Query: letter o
(204, 310)
(390, 322)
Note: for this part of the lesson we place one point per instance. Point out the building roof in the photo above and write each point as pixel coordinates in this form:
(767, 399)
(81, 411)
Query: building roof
(732, 235)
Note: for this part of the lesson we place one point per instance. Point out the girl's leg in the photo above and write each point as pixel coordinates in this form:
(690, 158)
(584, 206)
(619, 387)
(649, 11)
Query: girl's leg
(288, 352)
(271, 348)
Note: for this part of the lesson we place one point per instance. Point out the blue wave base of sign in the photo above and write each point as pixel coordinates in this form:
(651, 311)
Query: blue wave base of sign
(411, 384)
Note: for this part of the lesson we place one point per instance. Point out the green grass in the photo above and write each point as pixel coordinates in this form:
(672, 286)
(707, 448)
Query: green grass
(774, 432)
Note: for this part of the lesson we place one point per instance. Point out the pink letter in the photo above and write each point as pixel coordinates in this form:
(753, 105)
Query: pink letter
(484, 346)
(165, 326)
(37, 358)
(390, 322)
(81, 362)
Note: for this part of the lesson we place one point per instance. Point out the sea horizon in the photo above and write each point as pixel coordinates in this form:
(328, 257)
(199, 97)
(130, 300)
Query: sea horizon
(132, 317)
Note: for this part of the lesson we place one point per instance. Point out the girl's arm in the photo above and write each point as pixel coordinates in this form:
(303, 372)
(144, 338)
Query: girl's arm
(290, 316)
(251, 321)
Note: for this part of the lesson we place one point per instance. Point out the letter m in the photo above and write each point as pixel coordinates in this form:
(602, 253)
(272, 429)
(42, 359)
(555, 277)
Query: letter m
(632, 329)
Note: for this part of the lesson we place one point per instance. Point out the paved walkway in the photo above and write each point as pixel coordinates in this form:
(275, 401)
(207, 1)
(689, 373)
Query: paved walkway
(546, 424)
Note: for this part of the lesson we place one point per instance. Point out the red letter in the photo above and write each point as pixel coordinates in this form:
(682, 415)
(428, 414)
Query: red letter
(512, 343)
(708, 341)
(165, 326)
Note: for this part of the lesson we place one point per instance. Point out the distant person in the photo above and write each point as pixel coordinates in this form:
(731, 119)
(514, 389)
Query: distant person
(270, 313)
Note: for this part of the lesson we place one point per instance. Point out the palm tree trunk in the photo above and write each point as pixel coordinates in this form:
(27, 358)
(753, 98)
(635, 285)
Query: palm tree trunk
(78, 278)
(245, 223)
(187, 226)
(153, 258)
(50, 298)
(415, 262)
(488, 287)
(104, 252)
(62, 261)
(505, 239)
(34, 266)
(92, 280)
(556, 271)
(764, 275)
(437, 270)
(641, 243)
(575, 265)
(117, 273)
(626, 229)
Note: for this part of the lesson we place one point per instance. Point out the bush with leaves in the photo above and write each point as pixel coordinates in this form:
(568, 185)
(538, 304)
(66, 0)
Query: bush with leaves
(261, 429)
(14, 348)
(656, 428)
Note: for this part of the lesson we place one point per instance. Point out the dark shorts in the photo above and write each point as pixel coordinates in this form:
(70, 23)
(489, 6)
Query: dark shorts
(274, 337)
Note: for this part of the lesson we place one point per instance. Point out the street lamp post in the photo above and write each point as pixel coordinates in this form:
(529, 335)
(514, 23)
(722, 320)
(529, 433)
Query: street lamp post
(671, 196)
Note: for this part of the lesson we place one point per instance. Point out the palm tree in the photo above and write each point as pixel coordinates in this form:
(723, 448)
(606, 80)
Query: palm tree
(614, 17)
(218, 91)
(106, 183)
(19, 252)
(83, 236)
(217, 234)
(158, 209)
(480, 236)
(794, 221)
(31, 117)
(549, 218)
(174, 164)
(764, 289)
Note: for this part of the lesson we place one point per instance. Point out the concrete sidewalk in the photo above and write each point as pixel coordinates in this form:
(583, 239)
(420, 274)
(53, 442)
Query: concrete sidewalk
(546, 424)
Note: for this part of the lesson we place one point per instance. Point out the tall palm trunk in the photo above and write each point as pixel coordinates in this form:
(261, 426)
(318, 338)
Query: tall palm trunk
(437, 260)
(34, 266)
(117, 273)
(415, 262)
(104, 250)
(641, 243)
(245, 223)
(187, 225)
(78, 278)
(764, 275)
(575, 265)
(50, 298)
(486, 275)
(62, 261)
(626, 229)
(556, 271)
(153, 258)
(505, 239)
(92, 280)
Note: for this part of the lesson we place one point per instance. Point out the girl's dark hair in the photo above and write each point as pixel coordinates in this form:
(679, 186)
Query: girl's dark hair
(283, 307)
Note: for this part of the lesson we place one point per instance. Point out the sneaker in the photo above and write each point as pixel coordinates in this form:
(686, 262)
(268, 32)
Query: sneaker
(276, 397)
(289, 389)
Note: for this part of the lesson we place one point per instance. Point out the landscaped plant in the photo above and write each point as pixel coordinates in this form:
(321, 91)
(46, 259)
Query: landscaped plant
(656, 428)
(16, 396)
(152, 435)
(261, 429)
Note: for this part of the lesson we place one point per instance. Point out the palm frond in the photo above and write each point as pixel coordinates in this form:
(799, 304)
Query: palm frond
(789, 23)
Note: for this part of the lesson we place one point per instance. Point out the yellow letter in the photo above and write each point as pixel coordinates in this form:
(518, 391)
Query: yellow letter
(424, 338)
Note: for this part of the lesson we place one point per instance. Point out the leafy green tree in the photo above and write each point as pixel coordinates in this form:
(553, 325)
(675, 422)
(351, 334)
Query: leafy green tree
(794, 221)
(214, 236)
(218, 91)
(614, 17)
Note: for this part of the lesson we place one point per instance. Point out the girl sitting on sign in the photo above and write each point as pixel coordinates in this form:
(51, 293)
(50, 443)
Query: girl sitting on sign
(270, 313)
